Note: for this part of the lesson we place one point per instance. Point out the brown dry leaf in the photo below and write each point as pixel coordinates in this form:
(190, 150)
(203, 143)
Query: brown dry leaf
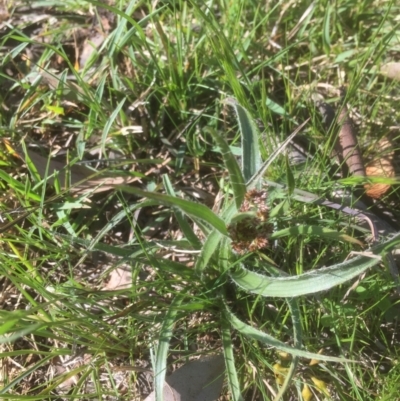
(71, 89)
(379, 168)
(67, 375)
(91, 45)
(97, 35)
(4, 15)
(382, 167)
(119, 279)
(391, 70)
(68, 381)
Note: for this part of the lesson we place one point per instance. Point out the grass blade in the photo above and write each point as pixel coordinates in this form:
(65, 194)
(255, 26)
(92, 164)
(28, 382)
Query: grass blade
(25, 373)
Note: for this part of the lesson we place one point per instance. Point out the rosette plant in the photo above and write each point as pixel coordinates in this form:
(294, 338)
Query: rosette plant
(233, 269)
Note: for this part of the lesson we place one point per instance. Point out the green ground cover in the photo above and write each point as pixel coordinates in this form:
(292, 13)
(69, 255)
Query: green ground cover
(153, 213)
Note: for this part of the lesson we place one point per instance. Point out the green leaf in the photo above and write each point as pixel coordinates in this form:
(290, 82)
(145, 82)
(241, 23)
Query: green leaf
(231, 371)
(313, 281)
(58, 110)
(275, 107)
(233, 70)
(308, 283)
(251, 159)
(265, 338)
(212, 241)
(6, 326)
(238, 217)
(318, 231)
(163, 347)
(235, 174)
(276, 210)
(209, 247)
(184, 225)
(289, 176)
(25, 373)
(195, 210)
(139, 255)
(326, 38)
(109, 123)
(255, 179)
(296, 320)
(297, 334)
(344, 56)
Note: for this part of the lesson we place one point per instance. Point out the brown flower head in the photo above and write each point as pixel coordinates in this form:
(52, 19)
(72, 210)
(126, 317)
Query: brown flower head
(251, 233)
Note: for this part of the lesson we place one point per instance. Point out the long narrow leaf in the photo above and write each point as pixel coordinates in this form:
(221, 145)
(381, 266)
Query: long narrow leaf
(212, 241)
(138, 254)
(303, 284)
(193, 209)
(109, 124)
(235, 174)
(223, 47)
(258, 335)
(289, 176)
(296, 319)
(183, 224)
(163, 347)
(326, 38)
(231, 372)
(251, 159)
(209, 247)
(255, 179)
(314, 281)
(25, 373)
(321, 232)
